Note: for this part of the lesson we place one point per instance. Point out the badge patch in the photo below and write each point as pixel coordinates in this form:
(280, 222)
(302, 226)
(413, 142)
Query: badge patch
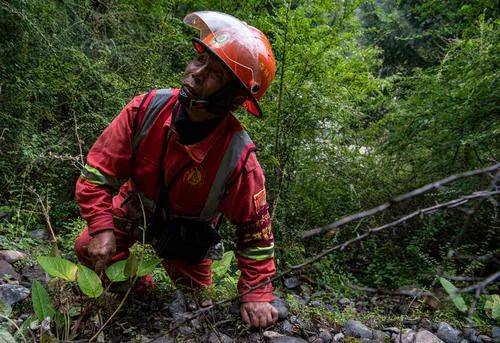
(220, 39)
(195, 177)
(259, 199)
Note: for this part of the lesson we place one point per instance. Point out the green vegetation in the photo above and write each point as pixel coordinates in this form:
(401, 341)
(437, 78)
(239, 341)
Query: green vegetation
(371, 99)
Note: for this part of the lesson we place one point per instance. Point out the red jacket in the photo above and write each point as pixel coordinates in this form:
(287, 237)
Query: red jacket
(113, 164)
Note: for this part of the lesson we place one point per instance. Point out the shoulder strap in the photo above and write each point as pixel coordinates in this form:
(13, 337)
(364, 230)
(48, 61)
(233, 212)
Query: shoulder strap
(161, 97)
(232, 156)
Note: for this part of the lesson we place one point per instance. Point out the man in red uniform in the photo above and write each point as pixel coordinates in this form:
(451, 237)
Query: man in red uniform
(183, 159)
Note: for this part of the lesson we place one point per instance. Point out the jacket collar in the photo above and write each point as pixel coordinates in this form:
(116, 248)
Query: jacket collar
(198, 151)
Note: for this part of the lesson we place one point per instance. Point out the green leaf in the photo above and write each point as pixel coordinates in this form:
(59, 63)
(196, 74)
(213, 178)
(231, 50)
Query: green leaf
(116, 271)
(89, 282)
(6, 337)
(58, 267)
(147, 266)
(131, 266)
(5, 309)
(492, 306)
(42, 305)
(221, 266)
(453, 293)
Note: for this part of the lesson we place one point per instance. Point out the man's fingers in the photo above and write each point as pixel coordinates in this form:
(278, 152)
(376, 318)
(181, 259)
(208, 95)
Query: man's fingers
(254, 319)
(262, 320)
(274, 314)
(244, 316)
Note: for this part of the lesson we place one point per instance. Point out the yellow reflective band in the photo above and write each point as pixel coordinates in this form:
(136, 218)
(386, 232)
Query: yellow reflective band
(95, 176)
(258, 253)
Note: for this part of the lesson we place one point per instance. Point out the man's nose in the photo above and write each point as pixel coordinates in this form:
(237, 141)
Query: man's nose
(200, 73)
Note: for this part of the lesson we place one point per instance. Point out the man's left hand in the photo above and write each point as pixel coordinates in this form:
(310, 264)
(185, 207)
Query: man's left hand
(259, 314)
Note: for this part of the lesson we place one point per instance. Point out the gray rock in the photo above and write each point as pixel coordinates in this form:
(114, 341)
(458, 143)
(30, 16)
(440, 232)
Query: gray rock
(379, 336)
(282, 306)
(315, 303)
(423, 336)
(325, 336)
(11, 294)
(185, 330)
(297, 321)
(32, 273)
(254, 337)
(299, 299)
(39, 235)
(288, 339)
(448, 333)
(495, 333)
(344, 301)
(339, 337)
(11, 256)
(7, 271)
(177, 306)
(391, 330)
(219, 338)
(470, 335)
(195, 324)
(164, 339)
(485, 339)
(287, 327)
(292, 282)
(314, 339)
(357, 329)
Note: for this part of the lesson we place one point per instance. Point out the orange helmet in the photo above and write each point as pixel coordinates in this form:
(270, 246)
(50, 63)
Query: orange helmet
(242, 48)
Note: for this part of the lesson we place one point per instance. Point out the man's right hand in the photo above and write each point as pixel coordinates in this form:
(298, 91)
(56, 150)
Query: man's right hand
(101, 249)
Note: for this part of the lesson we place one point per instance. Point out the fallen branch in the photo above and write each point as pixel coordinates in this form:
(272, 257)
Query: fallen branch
(481, 285)
(398, 199)
(407, 293)
(341, 247)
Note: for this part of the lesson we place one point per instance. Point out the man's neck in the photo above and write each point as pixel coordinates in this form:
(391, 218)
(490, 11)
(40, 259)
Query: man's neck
(199, 115)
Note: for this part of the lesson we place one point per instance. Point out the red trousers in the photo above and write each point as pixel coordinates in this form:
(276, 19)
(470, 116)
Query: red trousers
(181, 273)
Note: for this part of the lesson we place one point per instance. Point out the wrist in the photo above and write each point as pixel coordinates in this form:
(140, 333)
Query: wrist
(103, 232)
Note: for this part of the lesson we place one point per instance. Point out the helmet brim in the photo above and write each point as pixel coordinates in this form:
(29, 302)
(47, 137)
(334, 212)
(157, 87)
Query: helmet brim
(251, 104)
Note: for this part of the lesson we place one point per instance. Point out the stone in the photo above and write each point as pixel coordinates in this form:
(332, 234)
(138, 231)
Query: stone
(288, 339)
(11, 256)
(282, 307)
(344, 301)
(357, 329)
(39, 235)
(292, 282)
(325, 335)
(448, 333)
(297, 321)
(219, 338)
(164, 339)
(287, 327)
(495, 333)
(177, 306)
(315, 303)
(470, 335)
(254, 337)
(379, 336)
(339, 337)
(391, 330)
(8, 272)
(32, 273)
(185, 330)
(314, 339)
(195, 324)
(299, 299)
(11, 294)
(425, 336)
(486, 339)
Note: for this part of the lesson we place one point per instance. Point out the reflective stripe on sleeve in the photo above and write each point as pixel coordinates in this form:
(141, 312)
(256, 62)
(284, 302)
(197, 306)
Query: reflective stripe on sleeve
(95, 176)
(258, 253)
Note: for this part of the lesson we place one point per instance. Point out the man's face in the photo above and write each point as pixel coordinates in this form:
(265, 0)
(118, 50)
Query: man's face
(204, 75)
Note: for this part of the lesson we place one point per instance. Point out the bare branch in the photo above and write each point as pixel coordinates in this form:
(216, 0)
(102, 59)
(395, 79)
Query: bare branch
(341, 247)
(407, 293)
(398, 199)
(481, 285)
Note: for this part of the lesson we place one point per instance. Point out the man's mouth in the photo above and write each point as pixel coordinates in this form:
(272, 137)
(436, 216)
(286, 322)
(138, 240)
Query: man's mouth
(189, 91)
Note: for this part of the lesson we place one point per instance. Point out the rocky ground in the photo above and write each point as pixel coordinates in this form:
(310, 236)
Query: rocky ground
(306, 314)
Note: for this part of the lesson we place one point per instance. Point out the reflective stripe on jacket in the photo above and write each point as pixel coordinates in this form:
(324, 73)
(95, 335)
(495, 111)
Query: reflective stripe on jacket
(198, 185)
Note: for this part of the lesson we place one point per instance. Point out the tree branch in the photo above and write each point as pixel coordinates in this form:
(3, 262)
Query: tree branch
(398, 199)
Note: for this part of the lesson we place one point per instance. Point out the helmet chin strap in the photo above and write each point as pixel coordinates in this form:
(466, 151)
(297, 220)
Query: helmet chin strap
(219, 103)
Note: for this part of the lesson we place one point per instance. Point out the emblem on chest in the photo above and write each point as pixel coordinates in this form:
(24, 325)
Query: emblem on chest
(194, 177)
